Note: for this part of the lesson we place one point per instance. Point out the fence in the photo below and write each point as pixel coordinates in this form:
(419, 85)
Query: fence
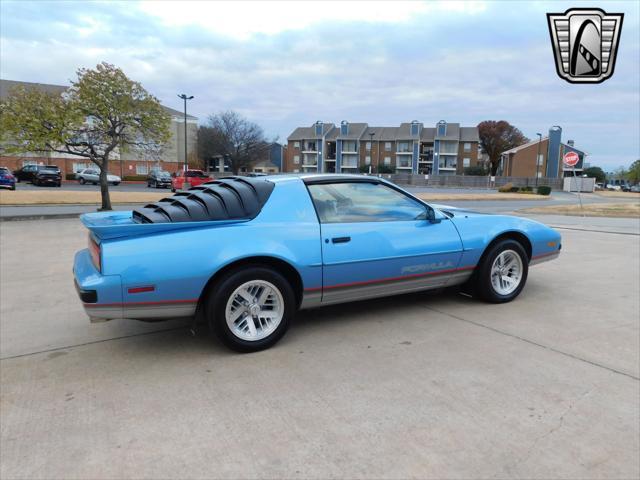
(470, 181)
(457, 181)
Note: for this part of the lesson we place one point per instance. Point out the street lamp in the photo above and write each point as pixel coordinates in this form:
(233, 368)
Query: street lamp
(371, 134)
(185, 185)
(538, 156)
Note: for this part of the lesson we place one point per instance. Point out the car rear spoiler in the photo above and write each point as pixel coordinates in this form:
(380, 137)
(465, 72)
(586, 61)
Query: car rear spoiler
(112, 225)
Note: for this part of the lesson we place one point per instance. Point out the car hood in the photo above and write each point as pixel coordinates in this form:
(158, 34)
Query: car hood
(456, 211)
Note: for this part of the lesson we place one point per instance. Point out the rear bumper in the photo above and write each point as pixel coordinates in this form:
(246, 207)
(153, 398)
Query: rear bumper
(101, 295)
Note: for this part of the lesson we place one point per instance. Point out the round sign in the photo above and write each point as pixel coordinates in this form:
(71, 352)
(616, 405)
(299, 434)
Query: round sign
(571, 159)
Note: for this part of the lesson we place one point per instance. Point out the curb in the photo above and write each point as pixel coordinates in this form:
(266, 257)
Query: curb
(53, 216)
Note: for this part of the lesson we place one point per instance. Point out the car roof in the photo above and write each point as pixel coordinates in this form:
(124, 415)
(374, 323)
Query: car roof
(316, 178)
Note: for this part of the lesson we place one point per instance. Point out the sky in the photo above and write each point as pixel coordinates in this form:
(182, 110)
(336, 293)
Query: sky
(288, 64)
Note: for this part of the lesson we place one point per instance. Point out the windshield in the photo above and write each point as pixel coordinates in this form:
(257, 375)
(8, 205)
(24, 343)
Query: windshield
(4, 170)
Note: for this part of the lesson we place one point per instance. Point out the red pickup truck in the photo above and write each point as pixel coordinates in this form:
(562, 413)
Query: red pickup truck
(194, 177)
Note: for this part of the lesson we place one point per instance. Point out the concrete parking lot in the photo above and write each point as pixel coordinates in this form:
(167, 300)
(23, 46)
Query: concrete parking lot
(418, 386)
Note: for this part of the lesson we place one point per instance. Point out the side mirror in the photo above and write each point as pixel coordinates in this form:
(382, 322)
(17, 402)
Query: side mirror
(431, 216)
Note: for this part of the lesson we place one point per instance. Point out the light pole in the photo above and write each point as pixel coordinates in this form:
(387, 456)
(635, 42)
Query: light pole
(538, 156)
(371, 134)
(185, 184)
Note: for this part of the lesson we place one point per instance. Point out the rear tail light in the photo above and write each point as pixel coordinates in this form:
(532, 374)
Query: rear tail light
(95, 251)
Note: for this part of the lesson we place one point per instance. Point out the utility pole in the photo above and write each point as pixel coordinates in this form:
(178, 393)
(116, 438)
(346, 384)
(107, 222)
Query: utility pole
(186, 184)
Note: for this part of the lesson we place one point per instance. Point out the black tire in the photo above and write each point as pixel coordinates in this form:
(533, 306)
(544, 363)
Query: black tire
(115, 184)
(218, 296)
(82, 181)
(59, 184)
(148, 185)
(13, 187)
(483, 285)
(173, 190)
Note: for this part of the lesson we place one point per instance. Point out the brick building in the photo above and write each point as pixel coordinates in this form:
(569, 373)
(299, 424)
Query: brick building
(445, 149)
(549, 151)
(171, 157)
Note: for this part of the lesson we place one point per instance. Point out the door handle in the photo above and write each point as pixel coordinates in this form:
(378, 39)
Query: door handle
(340, 239)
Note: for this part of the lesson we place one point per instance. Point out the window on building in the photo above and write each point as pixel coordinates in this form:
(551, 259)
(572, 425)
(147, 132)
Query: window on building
(387, 160)
(367, 160)
(403, 161)
(296, 159)
(540, 159)
(296, 144)
(387, 146)
(141, 169)
(349, 146)
(296, 170)
(467, 147)
(368, 146)
(362, 202)
(404, 147)
(466, 162)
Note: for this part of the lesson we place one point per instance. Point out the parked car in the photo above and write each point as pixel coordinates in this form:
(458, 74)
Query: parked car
(48, 175)
(635, 189)
(194, 177)
(7, 180)
(159, 179)
(624, 187)
(244, 254)
(92, 175)
(612, 187)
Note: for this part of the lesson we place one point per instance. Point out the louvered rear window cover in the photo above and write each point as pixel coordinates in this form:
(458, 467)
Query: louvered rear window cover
(224, 199)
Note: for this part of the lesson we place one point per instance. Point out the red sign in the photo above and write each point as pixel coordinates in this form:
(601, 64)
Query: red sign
(571, 159)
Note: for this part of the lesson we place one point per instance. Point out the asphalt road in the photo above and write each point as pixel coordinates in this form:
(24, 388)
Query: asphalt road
(417, 386)
(76, 187)
(487, 206)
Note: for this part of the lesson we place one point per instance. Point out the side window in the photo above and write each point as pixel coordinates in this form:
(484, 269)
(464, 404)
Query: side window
(351, 202)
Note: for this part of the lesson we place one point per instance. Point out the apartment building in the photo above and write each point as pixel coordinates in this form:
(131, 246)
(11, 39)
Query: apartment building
(541, 157)
(170, 158)
(445, 149)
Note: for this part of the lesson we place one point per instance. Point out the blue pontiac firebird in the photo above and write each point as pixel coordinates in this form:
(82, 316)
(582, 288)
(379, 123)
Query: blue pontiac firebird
(246, 253)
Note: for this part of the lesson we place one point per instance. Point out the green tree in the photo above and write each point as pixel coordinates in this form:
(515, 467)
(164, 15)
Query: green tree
(102, 113)
(497, 137)
(595, 172)
(236, 138)
(633, 175)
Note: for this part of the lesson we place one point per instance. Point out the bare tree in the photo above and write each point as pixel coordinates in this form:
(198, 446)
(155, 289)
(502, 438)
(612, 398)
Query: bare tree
(497, 137)
(238, 140)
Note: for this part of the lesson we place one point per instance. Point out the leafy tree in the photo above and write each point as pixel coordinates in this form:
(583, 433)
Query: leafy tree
(633, 175)
(497, 137)
(236, 138)
(595, 172)
(102, 114)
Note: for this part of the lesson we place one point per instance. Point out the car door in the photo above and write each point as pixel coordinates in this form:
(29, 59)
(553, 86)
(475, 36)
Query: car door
(377, 241)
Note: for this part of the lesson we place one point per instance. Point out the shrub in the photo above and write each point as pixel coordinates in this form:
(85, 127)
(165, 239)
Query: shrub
(514, 189)
(527, 189)
(385, 169)
(134, 178)
(364, 168)
(506, 188)
(544, 190)
(70, 176)
(476, 170)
